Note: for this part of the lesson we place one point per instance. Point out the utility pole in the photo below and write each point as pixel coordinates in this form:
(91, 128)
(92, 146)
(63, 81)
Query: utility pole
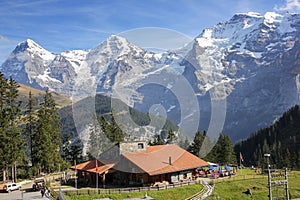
(286, 184)
(269, 175)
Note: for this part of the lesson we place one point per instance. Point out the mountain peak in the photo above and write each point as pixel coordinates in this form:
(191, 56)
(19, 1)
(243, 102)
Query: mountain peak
(249, 14)
(28, 43)
(117, 40)
(116, 37)
(33, 47)
(272, 17)
(116, 45)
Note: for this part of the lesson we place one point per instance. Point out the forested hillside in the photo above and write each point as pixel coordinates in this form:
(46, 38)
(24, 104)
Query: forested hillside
(281, 140)
(103, 107)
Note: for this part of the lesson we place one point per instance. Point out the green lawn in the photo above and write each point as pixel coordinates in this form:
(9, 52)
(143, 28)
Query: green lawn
(173, 193)
(234, 188)
(225, 188)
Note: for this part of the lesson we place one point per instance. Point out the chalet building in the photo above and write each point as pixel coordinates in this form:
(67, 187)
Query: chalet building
(136, 164)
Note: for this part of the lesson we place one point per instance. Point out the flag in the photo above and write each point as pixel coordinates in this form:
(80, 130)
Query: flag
(97, 166)
(241, 157)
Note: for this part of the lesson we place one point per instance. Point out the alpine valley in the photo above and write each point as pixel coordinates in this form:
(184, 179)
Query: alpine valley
(242, 73)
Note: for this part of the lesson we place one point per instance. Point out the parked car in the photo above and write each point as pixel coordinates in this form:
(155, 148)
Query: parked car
(8, 187)
(38, 184)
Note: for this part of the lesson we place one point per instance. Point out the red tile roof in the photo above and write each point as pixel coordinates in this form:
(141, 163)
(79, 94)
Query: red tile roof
(90, 166)
(156, 159)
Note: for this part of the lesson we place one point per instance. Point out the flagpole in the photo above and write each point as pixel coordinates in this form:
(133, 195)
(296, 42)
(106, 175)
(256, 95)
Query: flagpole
(97, 180)
(75, 175)
(97, 176)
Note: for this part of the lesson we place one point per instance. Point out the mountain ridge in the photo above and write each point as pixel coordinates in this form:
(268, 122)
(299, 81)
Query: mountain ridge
(249, 64)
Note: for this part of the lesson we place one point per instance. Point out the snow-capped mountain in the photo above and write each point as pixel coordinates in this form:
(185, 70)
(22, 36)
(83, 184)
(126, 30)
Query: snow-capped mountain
(235, 48)
(32, 65)
(248, 65)
(251, 59)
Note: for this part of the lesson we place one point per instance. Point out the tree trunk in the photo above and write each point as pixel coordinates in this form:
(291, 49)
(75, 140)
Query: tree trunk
(15, 172)
(12, 173)
(4, 175)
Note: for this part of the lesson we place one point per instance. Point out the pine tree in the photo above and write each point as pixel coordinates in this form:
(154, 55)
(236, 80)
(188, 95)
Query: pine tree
(229, 155)
(157, 140)
(66, 149)
(11, 143)
(222, 152)
(47, 141)
(3, 126)
(94, 143)
(30, 121)
(298, 158)
(171, 138)
(286, 160)
(207, 145)
(14, 132)
(76, 153)
(116, 131)
(197, 144)
(105, 127)
(184, 144)
(111, 129)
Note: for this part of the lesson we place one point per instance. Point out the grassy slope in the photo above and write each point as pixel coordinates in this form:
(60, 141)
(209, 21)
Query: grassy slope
(234, 188)
(227, 188)
(60, 100)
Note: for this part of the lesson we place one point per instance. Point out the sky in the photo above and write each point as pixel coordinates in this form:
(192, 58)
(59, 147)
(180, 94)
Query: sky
(59, 25)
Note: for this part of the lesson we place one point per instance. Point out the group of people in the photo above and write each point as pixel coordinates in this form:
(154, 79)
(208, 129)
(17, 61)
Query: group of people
(45, 192)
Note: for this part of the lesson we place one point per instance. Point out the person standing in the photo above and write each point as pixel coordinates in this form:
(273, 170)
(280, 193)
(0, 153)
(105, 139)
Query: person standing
(43, 191)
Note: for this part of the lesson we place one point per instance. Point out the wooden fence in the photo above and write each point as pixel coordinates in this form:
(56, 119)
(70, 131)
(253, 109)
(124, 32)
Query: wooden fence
(124, 190)
(244, 177)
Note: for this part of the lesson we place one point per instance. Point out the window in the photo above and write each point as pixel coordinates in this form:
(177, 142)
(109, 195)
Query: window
(140, 146)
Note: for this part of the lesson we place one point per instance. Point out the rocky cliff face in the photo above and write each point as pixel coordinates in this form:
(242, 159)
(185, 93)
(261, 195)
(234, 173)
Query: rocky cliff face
(243, 72)
(253, 60)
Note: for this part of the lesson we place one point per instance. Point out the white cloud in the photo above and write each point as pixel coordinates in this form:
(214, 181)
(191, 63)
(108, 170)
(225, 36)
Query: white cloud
(4, 39)
(291, 6)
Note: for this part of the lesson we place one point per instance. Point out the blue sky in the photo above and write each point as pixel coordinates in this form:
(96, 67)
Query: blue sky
(82, 24)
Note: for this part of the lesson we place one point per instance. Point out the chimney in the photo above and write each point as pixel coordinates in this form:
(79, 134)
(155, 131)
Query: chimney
(170, 160)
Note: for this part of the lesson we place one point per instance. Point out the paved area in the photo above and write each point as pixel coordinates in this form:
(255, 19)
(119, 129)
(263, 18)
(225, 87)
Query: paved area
(25, 193)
